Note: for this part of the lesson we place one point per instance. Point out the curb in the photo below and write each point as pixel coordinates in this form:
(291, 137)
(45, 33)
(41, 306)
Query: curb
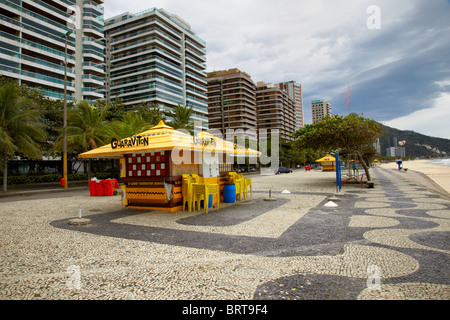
(33, 192)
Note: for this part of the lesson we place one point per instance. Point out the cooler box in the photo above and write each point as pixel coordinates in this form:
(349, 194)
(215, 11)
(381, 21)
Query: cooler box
(99, 188)
(93, 188)
(108, 187)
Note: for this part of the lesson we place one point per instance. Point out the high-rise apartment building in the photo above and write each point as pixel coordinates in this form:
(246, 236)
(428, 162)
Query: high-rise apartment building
(32, 47)
(155, 57)
(294, 90)
(320, 109)
(231, 100)
(275, 110)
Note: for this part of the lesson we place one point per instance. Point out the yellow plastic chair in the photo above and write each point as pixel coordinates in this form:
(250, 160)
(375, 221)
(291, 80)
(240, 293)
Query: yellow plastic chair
(202, 192)
(186, 189)
(239, 184)
(248, 183)
(240, 180)
(196, 178)
(242, 187)
(198, 194)
(212, 189)
(232, 177)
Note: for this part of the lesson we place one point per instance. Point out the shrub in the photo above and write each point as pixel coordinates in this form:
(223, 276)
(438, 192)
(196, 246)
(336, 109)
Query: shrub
(45, 178)
(77, 177)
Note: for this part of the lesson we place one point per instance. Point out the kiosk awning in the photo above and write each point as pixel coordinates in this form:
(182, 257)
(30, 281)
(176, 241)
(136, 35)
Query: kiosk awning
(163, 137)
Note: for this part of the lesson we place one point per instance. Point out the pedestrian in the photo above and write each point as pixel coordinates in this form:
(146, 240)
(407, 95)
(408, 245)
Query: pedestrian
(355, 168)
(399, 163)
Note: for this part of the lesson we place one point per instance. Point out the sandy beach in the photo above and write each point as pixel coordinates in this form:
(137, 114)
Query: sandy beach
(439, 174)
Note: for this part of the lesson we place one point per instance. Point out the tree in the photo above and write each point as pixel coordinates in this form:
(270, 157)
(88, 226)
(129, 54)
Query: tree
(353, 134)
(20, 128)
(181, 116)
(116, 109)
(130, 124)
(87, 129)
(151, 113)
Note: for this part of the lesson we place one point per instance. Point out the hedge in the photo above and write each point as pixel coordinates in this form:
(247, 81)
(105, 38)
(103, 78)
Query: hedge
(53, 178)
(43, 179)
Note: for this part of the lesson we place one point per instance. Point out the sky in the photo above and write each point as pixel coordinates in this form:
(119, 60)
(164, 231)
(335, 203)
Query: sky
(393, 55)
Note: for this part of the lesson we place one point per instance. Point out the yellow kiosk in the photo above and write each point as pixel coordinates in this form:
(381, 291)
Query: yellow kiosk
(152, 164)
(328, 163)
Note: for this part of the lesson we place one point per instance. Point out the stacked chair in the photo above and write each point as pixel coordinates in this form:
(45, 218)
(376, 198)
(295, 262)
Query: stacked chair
(194, 190)
(186, 189)
(241, 184)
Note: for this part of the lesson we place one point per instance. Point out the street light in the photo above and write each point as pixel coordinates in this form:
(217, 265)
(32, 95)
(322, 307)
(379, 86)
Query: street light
(402, 145)
(65, 113)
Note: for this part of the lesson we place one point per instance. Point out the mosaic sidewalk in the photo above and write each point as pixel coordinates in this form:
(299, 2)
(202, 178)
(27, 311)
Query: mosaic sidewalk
(391, 242)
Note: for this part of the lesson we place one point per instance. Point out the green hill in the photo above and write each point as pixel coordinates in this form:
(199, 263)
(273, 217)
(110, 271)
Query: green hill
(417, 144)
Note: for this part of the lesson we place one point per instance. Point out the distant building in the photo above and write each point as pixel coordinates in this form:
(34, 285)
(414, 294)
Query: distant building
(231, 100)
(155, 57)
(377, 146)
(275, 110)
(395, 152)
(392, 142)
(294, 90)
(320, 109)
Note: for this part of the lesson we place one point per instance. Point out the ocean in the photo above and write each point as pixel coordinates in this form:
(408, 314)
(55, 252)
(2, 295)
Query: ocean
(442, 162)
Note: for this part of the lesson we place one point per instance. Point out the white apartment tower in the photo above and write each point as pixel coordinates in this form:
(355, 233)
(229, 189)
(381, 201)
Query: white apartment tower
(155, 57)
(32, 46)
(294, 90)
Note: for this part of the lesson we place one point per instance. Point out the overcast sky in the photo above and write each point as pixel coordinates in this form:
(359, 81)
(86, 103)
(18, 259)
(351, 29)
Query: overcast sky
(397, 66)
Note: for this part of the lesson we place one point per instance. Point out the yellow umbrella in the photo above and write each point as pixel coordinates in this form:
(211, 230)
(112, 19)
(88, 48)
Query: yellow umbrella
(163, 137)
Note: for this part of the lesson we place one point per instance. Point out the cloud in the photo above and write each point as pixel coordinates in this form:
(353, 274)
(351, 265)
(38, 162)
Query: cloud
(326, 45)
(432, 121)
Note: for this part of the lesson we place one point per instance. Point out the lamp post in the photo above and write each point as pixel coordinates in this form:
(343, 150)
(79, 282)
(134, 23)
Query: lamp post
(65, 113)
(402, 146)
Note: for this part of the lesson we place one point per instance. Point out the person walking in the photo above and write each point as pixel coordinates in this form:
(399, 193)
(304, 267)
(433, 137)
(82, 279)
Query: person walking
(355, 168)
(399, 163)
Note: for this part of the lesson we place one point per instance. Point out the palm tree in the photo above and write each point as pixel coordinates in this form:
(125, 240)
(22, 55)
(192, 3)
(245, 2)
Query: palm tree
(20, 128)
(150, 112)
(181, 116)
(131, 124)
(87, 129)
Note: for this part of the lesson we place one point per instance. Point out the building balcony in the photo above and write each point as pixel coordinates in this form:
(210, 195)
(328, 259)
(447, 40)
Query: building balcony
(89, 78)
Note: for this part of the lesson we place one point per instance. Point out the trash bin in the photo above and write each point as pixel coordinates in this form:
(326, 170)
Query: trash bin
(62, 182)
(108, 187)
(229, 193)
(210, 202)
(99, 188)
(93, 188)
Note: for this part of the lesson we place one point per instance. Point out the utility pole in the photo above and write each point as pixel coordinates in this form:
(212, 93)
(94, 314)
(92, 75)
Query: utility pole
(65, 113)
